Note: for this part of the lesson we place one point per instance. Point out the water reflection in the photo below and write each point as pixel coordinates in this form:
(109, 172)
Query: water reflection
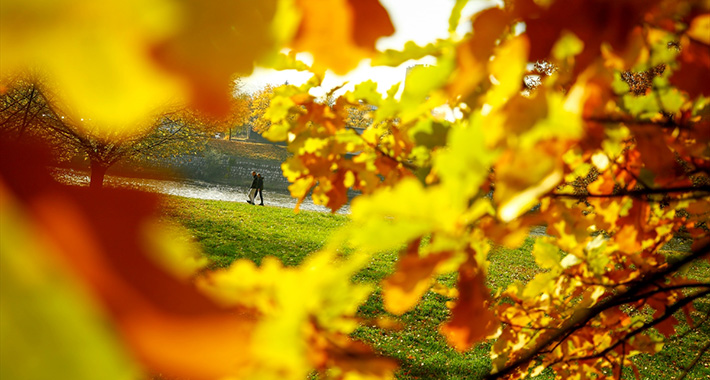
(192, 189)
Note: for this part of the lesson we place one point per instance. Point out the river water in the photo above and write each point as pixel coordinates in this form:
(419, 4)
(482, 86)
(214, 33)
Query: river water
(192, 189)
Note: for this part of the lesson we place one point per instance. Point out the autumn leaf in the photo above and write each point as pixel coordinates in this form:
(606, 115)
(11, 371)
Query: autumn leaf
(97, 237)
(95, 54)
(472, 320)
(301, 310)
(521, 182)
(44, 313)
(413, 277)
(340, 33)
(473, 55)
(694, 63)
(591, 110)
(592, 22)
(216, 41)
(340, 353)
(657, 157)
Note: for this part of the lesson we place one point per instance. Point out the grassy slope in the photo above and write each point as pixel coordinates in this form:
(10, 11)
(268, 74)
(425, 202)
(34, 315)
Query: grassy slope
(250, 150)
(229, 231)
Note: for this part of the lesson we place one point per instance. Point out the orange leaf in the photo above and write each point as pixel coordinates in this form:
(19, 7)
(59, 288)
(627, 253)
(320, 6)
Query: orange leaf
(340, 33)
(694, 63)
(217, 40)
(371, 22)
(593, 22)
(656, 155)
(474, 55)
(472, 321)
(99, 238)
(667, 326)
(330, 349)
(403, 289)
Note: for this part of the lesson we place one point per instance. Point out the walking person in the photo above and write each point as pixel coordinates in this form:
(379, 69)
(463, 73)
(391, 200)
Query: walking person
(253, 188)
(260, 188)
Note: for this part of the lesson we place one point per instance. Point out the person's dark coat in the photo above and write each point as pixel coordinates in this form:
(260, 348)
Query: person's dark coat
(259, 183)
(255, 182)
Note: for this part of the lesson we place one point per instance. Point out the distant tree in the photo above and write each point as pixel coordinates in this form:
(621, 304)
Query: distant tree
(239, 109)
(27, 112)
(259, 102)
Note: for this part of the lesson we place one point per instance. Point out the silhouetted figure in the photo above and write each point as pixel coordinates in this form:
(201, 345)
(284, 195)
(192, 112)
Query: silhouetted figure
(260, 188)
(253, 188)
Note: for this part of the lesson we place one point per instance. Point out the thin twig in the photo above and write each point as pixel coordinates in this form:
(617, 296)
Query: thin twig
(583, 316)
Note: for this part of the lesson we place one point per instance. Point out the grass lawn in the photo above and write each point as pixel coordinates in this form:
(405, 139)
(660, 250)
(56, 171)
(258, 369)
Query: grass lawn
(228, 231)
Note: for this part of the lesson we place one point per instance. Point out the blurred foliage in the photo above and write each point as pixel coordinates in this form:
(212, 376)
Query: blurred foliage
(449, 165)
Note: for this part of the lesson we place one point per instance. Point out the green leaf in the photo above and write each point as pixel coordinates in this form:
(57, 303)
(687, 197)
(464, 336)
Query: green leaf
(542, 283)
(411, 51)
(366, 91)
(618, 85)
(567, 46)
(644, 105)
(546, 254)
(455, 17)
(672, 100)
(465, 165)
(597, 257)
(429, 133)
(559, 121)
(662, 52)
(421, 85)
(421, 80)
(287, 62)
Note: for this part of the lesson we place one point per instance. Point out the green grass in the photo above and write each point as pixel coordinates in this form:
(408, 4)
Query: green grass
(250, 150)
(228, 231)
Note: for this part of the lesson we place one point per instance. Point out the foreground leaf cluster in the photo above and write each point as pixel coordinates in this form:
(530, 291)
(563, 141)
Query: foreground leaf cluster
(591, 120)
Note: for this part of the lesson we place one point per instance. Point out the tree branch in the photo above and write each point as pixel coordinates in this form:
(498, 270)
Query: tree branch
(583, 316)
(667, 314)
(639, 193)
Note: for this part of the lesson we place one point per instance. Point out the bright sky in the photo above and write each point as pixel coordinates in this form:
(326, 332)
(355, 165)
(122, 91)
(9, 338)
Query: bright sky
(421, 21)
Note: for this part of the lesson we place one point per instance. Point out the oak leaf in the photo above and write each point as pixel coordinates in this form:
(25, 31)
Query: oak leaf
(340, 33)
(593, 22)
(402, 290)
(472, 320)
(217, 40)
(98, 238)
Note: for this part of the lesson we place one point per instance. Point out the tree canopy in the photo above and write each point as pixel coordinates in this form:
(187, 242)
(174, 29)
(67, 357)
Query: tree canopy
(590, 118)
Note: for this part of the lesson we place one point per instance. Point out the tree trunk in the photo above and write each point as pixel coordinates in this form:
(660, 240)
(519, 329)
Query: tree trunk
(98, 171)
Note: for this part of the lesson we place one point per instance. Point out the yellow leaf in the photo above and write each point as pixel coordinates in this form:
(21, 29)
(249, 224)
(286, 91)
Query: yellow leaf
(546, 254)
(473, 55)
(215, 40)
(388, 218)
(567, 46)
(521, 181)
(299, 306)
(700, 28)
(507, 70)
(95, 54)
(120, 62)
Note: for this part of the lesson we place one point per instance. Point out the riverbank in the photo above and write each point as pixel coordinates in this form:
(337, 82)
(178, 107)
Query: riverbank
(193, 189)
(228, 231)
